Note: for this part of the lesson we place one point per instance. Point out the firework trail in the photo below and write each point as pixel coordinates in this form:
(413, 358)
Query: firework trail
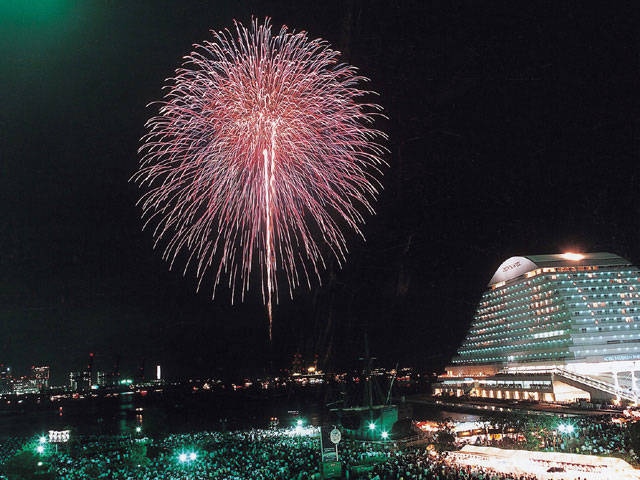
(260, 156)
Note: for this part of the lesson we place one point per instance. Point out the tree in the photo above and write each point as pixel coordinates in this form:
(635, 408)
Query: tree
(445, 437)
(633, 430)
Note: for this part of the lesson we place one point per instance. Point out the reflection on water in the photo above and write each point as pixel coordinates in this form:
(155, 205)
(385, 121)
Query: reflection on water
(155, 414)
(435, 413)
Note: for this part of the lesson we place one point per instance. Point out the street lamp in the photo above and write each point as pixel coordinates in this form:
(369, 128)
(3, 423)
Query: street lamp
(565, 428)
(299, 426)
(186, 457)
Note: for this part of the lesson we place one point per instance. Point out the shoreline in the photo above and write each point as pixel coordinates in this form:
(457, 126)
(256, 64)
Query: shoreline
(480, 406)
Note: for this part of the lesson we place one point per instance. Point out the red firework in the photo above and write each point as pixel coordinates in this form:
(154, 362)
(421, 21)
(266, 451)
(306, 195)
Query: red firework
(260, 154)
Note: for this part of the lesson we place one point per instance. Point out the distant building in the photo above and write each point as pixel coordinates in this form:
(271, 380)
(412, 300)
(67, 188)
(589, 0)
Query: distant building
(24, 386)
(102, 379)
(107, 379)
(80, 381)
(86, 380)
(40, 375)
(6, 379)
(560, 327)
(74, 381)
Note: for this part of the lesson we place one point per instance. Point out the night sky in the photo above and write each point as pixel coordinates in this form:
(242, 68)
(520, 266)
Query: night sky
(513, 131)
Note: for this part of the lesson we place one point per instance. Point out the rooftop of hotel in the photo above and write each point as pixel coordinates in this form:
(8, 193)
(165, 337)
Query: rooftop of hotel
(515, 266)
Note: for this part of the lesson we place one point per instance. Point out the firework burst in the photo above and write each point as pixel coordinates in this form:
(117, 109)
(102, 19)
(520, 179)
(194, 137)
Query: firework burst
(261, 154)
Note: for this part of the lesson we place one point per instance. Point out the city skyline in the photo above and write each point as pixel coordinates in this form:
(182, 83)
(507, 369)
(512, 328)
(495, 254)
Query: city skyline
(511, 132)
(143, 370)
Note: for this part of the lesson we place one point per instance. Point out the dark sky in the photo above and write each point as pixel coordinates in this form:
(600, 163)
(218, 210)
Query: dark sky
(513, 131)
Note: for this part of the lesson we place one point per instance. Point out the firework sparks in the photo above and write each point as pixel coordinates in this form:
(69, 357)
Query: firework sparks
(260, 156)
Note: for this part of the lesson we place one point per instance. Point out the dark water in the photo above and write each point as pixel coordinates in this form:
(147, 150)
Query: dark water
(178, 412)
(157, 414)
(429, 412)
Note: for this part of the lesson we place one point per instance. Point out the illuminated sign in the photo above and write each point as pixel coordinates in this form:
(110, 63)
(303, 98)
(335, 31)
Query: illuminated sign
(622, 357)
(512, 268)
(58, 436)
(572, 256)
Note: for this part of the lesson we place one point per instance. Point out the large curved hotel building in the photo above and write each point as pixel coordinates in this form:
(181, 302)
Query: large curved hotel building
(559, 328)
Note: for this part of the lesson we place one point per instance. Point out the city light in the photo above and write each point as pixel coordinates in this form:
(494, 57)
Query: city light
(565, 428)
(299, 428)
(185, 457)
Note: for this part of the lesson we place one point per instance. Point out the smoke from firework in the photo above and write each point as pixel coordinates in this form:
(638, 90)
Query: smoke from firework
(260, 154)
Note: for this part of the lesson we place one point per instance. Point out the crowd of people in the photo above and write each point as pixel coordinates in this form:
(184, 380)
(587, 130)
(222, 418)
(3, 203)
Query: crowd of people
(593, 435)
(254, 454)
(599, 436)
(261, 454)
(418, 463)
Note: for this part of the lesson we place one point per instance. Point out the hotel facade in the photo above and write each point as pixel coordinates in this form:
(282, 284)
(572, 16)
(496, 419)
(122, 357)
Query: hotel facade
(556, 328)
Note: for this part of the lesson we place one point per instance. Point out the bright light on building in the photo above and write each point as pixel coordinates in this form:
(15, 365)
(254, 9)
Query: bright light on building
(384, 435)
(572, 256)
(372, 426)
(40, 449)
(192, 456)
(182, 457)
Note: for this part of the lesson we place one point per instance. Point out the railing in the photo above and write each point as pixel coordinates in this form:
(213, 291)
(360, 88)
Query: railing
(620, 392)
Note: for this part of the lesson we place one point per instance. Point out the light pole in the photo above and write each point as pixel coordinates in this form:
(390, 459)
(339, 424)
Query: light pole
(565, 429)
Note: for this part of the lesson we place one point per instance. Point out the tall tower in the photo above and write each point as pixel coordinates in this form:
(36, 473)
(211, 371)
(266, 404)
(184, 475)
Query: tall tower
(6, 379)
(140, 374)
(87, 375)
